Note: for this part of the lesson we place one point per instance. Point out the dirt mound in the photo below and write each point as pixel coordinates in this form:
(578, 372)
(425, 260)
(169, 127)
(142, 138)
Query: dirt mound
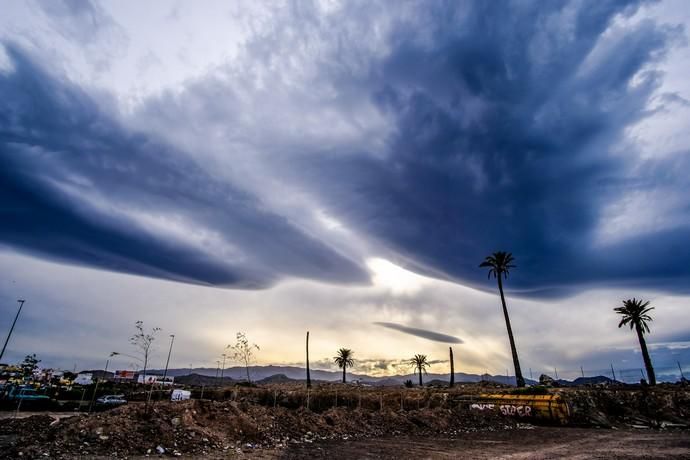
(29, 425)
(658, 408)
(211, 428)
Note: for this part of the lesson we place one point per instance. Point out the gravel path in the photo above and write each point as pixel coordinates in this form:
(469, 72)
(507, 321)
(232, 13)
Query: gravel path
(537, 443)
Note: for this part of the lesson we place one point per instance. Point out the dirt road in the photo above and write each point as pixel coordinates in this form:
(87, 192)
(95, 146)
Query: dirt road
(537, 443)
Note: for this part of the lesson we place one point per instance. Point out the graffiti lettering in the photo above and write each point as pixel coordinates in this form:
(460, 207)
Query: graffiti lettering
(520, 411)
(482, 406)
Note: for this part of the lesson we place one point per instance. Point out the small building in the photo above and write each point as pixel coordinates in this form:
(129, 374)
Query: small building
(84, 378)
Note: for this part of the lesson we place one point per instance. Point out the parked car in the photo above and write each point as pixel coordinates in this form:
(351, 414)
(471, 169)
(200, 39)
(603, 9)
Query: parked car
(26, 394)
(111, 400)
(27, 397)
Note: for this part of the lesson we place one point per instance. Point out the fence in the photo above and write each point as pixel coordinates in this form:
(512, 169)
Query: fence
(626, 375)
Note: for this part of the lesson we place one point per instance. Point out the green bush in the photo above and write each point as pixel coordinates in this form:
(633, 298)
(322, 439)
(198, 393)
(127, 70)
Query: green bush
(535, 390)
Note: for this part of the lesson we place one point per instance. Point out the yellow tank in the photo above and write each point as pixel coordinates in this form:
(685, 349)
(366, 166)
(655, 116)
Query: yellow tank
(551, 408)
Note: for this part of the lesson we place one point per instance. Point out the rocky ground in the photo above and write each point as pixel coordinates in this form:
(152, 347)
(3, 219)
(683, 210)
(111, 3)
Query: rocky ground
(206, 428)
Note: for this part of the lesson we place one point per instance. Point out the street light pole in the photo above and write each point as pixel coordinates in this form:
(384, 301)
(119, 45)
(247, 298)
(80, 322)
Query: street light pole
(165, 374)
(21, 304)
(95, 389)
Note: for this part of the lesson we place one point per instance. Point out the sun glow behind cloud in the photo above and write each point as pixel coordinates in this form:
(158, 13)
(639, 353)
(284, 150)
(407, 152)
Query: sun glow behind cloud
(399, 281)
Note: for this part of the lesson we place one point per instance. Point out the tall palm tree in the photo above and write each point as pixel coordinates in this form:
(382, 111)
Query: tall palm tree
(499, 265)
(420, 364)
(636, 314)
(344, 359)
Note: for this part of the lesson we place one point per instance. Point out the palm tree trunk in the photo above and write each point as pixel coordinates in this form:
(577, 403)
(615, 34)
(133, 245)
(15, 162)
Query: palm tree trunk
(344, 367)
(452, 368)
(308, 376)
(421, 384)
(645, 355)
(516, 363)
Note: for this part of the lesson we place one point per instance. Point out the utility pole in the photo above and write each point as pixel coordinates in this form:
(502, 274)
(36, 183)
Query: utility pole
(613, 372)
(555, 371)
(222, 370)
(682, 377)
(167, 362)
(583, 372)
(21, 304)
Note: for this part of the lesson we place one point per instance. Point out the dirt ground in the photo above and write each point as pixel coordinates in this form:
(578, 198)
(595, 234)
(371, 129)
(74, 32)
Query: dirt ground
(282, 422)
(535, 443)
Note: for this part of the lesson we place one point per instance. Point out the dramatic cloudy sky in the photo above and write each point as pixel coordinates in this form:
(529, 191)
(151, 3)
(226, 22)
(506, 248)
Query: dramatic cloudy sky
(343, 167)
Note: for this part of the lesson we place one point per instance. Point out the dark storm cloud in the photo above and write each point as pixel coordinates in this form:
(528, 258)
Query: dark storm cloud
(74, 185)
(423, 333)
(503, 140)
(503, 136)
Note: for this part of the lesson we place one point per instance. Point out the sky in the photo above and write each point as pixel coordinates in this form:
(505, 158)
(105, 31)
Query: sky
(343, 167)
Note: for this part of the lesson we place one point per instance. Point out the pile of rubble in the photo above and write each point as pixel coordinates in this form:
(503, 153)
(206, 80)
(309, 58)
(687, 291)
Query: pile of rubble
(640, 408)
(213, 428)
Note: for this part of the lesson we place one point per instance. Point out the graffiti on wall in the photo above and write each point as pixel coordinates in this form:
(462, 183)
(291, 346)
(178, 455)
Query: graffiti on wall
(506, 409)
(520, 411)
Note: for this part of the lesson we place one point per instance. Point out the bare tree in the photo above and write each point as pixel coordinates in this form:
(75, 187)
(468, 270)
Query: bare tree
(142, 342)
(243, 351)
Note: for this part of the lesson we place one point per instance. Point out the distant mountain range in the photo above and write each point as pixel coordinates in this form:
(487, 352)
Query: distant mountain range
(273, 374)
(292, 373)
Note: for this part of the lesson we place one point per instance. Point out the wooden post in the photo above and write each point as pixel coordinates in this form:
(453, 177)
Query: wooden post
(308, 375)
(452, 369)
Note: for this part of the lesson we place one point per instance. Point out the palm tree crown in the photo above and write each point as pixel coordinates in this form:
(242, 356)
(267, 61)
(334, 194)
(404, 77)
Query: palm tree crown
(420, 364)
(499, 262)
(635, 312)
(344, 360)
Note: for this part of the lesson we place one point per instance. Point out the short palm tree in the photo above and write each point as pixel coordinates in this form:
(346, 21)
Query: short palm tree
(344, 360)
(420, 364)
(636, 314)
(499, 265)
